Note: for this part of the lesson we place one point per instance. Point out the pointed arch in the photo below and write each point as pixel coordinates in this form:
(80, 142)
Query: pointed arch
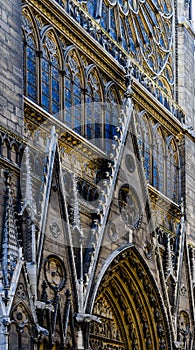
(112, 114)
(27, 12)
(21, 327)
(73, 90)
(158, 169)
(51, 64)
(172, 169)
(128, 301)
(31, 46)
(46, 31)
(93, 105)
(145, 143)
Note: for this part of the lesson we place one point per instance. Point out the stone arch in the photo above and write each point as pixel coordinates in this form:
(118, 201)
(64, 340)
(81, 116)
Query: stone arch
(22, 328)
(128, 302)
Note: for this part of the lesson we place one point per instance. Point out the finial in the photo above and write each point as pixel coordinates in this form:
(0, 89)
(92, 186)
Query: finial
(10, 247)
(182, 206)
(28, 202)
(128, 75)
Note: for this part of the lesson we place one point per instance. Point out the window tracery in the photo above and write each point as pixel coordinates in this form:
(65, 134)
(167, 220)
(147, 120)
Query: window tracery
(21, 332)
(112, 113)
(93, 107)
(158, 160)
(91, 7)
(172, 171)
(29, 60)
(73, 93)
(144, 28)
(145, 145)
(50, 75)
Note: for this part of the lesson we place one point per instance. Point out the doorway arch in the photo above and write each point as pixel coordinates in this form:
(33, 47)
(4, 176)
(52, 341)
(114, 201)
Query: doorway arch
(127, 301)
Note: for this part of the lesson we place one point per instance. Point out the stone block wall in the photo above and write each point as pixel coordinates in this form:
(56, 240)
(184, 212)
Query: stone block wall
(11, 76)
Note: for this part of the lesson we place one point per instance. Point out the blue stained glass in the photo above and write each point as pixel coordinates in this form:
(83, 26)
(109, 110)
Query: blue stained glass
(45, 101)
(165, 7)
(55, 97)
(55, 73)
(54, 61)
(88, 99)
(77, 112)
(30, 53)
(31, 78)
(124, 41)
(91, 7)
(68, 84)
(30, 41)
(112, 24)
(77, 90)
(32, 92)
(104, 16)
(97, 97)
(45, 65)
(68, 117)
(68, 73)
(89, 131)
(68, 95)
(68, 103)
(55, 84)
(55, 108)
(97, 130)
(77, 80)
(45, 76)
(45, 89)
(31, 66)
(77, 100)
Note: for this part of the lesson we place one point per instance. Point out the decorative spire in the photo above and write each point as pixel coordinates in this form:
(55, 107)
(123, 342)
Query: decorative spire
(28, 202)
(128, 77)
(127, 101)
(76, 215)
(169, 261)
(10, 248)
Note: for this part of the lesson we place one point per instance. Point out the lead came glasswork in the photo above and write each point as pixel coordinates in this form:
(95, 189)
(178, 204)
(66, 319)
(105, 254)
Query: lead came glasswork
(30, 72)
(50, 76)
(148, 27)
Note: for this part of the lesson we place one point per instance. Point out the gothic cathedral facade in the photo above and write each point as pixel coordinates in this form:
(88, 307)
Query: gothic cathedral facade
(97, 174)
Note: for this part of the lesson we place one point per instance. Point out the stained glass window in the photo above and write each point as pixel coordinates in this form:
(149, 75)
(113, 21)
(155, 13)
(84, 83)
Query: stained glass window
(112, 25)
(73, 94)
(172, 171)
(112, 114)
(31, 77)
(143, 28)
(145, 145)
(92, 7)
(93, 108)
(30, 66)
(104, 21)
(158, 161)
(50, 77)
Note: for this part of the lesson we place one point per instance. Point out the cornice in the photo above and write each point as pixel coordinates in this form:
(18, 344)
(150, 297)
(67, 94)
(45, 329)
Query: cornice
(35, 117)
(8, 164)
(165, 203)
(11, 134)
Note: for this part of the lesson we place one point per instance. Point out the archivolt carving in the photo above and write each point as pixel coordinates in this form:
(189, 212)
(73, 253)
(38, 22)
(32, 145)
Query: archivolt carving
(129, 304)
